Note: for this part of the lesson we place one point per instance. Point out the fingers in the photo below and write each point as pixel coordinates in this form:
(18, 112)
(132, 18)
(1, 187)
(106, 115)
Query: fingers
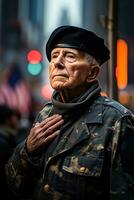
(46, 124)
(36, 147)
(51, 137)
(52, 125)
(49, 129)
(42, 133)
(52, 119)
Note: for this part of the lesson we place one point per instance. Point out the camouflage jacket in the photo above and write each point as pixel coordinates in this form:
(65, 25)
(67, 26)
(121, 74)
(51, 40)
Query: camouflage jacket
(92, 159)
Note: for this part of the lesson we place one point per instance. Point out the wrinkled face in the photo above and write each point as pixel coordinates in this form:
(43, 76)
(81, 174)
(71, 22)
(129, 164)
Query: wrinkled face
(68, 69)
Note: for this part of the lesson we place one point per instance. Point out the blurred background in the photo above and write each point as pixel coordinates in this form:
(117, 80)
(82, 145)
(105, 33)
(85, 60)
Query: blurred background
(25, 26)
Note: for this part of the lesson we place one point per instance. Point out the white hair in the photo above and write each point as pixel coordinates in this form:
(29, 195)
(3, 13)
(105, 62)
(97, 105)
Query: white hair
(92, 60)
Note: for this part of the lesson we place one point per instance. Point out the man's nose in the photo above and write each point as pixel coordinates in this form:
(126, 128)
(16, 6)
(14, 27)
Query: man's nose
(59, 62)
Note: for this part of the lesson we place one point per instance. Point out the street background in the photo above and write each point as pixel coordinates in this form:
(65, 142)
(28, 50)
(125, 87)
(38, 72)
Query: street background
(25, 26)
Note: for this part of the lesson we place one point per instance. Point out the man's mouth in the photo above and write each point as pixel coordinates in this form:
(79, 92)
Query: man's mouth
(60, 75)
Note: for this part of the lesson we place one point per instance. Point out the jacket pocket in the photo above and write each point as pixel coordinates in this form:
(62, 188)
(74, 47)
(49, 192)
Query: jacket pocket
(85, 166)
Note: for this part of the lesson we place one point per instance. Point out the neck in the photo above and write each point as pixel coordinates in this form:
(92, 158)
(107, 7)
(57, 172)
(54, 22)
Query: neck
(64, 96)
(68, 95)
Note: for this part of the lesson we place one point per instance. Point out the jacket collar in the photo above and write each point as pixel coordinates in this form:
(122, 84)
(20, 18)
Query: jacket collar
(94, 113)
(79, 131)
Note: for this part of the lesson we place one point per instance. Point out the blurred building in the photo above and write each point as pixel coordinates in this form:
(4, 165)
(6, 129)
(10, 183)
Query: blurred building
(26, 24)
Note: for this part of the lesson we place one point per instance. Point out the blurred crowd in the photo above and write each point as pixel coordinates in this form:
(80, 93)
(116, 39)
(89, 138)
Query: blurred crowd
(11, 133)
(18, 109)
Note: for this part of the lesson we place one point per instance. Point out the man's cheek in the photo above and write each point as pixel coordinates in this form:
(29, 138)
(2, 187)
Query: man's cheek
(50, 69)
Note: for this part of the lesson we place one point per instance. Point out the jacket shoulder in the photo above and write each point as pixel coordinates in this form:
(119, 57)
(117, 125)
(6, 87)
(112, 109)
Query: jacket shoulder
(46, 111)
(114, 106)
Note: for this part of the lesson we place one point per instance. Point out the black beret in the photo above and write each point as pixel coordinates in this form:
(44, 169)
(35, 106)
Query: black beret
(78, 38)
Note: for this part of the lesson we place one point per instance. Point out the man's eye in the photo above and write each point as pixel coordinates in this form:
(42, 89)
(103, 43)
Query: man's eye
(54, 56)
(70, 57)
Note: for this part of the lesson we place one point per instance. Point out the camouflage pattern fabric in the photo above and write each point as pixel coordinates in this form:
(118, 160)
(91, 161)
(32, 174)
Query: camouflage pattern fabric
(92, 159)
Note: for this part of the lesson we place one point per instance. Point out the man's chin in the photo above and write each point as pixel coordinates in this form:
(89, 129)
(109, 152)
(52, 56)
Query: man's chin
(59, 87)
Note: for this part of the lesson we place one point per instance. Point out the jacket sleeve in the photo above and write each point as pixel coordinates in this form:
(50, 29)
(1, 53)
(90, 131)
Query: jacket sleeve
(22, 171)
(122, 171)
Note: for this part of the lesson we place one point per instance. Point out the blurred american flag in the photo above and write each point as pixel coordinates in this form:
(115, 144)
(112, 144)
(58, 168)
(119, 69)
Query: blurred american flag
(15, 91)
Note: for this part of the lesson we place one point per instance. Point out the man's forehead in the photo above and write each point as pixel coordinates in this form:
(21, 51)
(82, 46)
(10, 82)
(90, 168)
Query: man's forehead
(71, 50)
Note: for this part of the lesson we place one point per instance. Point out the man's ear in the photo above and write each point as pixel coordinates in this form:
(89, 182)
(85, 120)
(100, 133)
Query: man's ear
(93, 73)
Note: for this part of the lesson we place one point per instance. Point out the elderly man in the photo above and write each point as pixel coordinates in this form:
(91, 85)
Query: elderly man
(81, 144)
